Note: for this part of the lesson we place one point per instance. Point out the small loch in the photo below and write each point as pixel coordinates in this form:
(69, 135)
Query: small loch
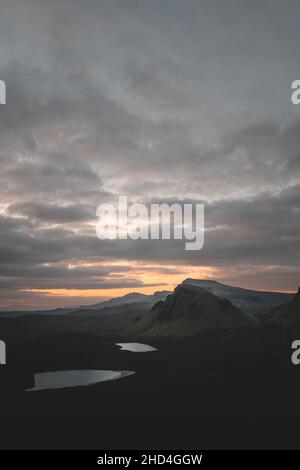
(136, 347)
(74, 378)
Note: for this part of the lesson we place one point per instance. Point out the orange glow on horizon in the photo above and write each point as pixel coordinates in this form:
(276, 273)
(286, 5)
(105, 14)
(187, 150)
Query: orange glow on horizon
(148, 275)
(153, 277)
(108, 293)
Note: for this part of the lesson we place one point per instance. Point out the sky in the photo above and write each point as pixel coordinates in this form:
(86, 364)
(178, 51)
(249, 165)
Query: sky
(162, 101)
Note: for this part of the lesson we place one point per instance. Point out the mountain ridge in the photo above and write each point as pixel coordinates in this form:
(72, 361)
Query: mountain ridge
(188, 311)
(248, 300)
(287, 315)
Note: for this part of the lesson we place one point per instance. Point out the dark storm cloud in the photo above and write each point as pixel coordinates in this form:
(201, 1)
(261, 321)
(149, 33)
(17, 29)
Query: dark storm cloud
(260, 231)
(53, 213)
(156, 100)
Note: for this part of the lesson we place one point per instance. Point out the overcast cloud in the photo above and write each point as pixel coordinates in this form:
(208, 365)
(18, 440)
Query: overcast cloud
(159, 100)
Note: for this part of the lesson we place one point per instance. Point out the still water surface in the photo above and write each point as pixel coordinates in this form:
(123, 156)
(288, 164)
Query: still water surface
(74, 378)
(136, 347)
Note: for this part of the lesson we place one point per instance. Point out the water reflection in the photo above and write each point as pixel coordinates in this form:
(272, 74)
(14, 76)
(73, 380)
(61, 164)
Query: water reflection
(74, 378)
(136, 347)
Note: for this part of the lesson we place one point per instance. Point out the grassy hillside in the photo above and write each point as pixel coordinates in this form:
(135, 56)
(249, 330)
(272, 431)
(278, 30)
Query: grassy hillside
(187, 312)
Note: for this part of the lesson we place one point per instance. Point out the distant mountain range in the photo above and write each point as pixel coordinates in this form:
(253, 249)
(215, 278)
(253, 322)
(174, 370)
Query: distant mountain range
(263, 305)
(143, 300)
(193, 307)
(133, 297)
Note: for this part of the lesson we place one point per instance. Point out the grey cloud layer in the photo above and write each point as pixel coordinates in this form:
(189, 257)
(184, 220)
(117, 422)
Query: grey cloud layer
(173, 99)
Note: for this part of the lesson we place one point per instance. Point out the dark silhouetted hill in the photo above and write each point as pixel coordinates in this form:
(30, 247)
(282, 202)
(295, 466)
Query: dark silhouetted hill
(189, 310)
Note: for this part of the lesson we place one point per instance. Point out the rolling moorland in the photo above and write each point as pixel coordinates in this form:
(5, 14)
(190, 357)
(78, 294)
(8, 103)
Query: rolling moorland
(221, 376)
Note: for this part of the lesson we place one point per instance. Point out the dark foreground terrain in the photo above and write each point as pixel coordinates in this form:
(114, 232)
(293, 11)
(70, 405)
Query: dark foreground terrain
(234, 389)
(231, 385)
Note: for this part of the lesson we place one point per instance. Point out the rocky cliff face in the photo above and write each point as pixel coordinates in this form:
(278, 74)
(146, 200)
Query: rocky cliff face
(190, 310)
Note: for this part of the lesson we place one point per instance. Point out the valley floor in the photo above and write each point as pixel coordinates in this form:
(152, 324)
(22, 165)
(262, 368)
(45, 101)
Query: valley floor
(217, 390)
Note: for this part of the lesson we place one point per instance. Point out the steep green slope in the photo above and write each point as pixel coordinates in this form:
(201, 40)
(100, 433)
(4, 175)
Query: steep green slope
(289, 314)
(188, 311)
